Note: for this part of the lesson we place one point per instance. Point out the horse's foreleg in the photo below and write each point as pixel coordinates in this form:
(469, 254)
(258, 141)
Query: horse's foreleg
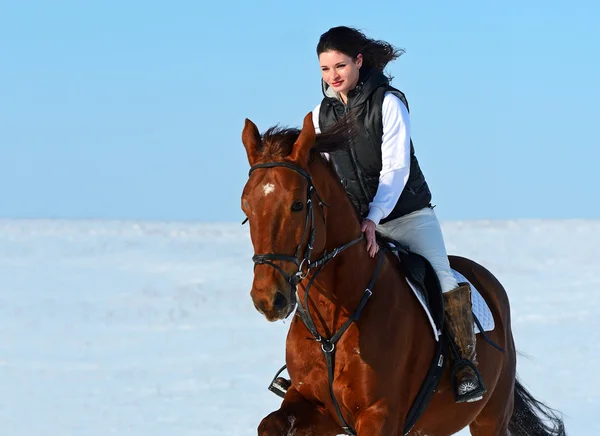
(298, 417)
(377, 421)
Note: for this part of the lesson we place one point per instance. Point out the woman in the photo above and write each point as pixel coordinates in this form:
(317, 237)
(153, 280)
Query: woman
(382, 177)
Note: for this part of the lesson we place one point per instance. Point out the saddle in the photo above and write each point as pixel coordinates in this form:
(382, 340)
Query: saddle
(421, 274)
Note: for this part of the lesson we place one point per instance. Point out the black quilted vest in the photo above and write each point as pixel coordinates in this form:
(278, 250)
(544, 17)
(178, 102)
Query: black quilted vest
(358, 166)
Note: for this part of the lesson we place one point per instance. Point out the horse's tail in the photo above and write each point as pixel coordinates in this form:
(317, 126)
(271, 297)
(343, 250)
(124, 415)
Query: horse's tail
(533, 418)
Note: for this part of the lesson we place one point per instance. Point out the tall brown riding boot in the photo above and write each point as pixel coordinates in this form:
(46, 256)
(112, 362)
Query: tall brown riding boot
(467, 382)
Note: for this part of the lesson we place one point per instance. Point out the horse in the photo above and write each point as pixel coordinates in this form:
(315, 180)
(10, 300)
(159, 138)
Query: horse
(359, 345)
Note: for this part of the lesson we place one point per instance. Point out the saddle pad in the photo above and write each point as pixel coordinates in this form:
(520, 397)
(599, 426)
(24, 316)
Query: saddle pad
(480, 307)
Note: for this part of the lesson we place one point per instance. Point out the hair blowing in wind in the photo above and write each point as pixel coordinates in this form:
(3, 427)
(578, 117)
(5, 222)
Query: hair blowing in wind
(352, 42)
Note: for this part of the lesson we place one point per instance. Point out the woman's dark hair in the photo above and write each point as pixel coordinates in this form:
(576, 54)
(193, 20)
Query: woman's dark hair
(352, 42)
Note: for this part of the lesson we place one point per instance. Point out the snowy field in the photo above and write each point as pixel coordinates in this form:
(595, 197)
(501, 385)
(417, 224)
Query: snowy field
(147, 329)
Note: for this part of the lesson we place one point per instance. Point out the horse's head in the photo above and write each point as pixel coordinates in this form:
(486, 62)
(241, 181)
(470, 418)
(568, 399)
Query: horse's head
(284, 212)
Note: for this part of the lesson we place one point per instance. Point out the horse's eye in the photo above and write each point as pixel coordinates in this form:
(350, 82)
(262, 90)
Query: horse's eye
(297, 206)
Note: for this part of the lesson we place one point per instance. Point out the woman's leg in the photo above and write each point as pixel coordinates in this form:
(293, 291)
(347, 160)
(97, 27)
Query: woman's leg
(422, 233)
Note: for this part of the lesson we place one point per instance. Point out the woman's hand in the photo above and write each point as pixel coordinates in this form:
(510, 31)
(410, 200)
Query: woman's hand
(368, 228)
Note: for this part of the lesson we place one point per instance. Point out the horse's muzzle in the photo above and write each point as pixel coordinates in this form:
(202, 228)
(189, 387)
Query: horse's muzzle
(280, 306)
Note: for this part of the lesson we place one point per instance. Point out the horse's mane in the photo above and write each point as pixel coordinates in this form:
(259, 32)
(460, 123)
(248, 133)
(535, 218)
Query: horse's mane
(277, 141)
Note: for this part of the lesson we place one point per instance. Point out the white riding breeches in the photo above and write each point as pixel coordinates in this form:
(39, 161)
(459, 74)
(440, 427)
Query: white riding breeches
(421, 232)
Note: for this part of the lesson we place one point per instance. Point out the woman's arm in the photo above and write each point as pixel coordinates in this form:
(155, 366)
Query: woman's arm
(315, 118)
(395, 153)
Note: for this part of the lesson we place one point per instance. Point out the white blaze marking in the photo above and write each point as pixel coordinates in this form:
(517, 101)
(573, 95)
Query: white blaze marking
(268, 188)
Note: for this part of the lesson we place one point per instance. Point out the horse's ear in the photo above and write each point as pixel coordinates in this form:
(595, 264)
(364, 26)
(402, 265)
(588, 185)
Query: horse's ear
(251, 140)
(305, 141)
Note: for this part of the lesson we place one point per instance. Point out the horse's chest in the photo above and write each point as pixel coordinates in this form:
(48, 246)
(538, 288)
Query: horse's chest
(311, 375)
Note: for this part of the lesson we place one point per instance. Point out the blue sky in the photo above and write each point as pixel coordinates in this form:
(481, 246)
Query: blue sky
(134, 110)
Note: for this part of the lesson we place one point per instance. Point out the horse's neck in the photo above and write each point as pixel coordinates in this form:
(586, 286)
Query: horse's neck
(342, 225)
(341, 283)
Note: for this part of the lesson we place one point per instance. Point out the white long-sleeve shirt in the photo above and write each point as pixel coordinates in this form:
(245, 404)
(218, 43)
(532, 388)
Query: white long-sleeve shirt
(395, 156)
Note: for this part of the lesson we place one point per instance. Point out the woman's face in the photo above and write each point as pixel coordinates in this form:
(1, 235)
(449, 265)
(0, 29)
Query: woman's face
(340, 71)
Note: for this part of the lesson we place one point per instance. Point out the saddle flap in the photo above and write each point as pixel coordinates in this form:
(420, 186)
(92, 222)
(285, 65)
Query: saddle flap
(422, 276)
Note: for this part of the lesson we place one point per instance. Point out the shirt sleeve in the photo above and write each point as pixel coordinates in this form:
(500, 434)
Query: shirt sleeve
(315, 119)
(395, 154)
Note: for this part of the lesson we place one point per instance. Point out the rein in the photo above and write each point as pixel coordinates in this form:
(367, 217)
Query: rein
(327, 344)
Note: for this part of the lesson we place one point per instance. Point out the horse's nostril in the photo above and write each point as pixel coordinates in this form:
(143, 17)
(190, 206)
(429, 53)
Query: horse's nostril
(260, 307)
(280, 302)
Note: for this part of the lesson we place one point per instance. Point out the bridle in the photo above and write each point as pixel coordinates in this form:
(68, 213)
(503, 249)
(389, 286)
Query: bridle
(327, 344)
(309, 227)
